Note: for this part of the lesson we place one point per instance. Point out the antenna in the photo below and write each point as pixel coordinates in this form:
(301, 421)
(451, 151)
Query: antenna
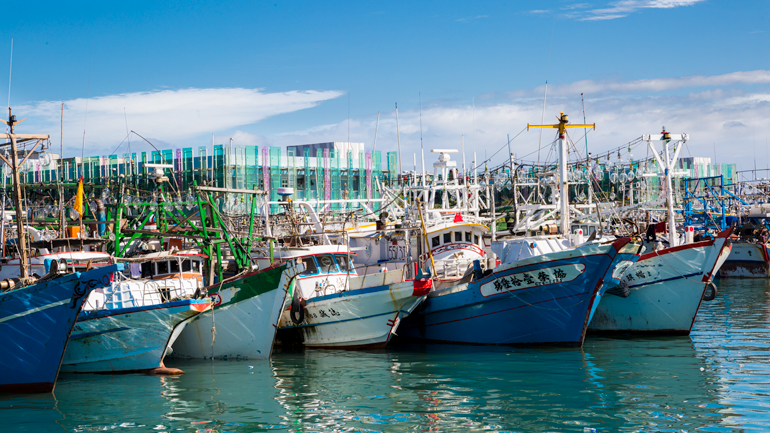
(545, 92)
(10, 71)
(348, 143)
(585, 137)
(377, 126)
(398, 137)
(422, 151)
(85, 119)
(462, 143)
(473, 140)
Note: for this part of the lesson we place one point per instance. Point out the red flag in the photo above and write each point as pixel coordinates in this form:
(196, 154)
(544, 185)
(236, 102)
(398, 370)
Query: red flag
(458, 218)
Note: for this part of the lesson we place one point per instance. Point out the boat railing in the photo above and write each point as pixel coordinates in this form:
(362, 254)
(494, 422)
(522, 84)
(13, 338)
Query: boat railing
(127, 293)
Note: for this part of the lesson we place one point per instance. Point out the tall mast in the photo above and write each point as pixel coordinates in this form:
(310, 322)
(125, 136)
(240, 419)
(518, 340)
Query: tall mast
(15, 164)
(562, 126)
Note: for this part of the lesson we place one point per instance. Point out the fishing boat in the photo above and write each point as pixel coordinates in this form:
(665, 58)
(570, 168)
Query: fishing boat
(746, 260)
(331, 303)
(331, 306)
(544, 300)
(242, 323)
(131, 324)
(35, 326)
(129, 339)
(664, 289)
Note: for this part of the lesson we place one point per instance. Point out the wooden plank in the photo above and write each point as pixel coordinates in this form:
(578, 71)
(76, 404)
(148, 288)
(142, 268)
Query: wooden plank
(24, 136)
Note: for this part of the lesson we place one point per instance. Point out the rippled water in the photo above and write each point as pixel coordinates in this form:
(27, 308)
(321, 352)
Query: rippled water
(718, 379)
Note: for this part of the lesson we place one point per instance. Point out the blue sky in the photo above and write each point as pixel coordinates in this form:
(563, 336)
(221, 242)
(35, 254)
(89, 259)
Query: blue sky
(279, 73)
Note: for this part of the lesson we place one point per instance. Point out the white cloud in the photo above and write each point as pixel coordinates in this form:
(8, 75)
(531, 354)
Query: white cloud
(725, 118)
(623, 8)
(655, 84)
(727, 110)
(168, 116)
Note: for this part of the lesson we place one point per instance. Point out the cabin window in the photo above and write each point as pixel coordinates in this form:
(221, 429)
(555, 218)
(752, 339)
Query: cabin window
(458, 236)
(147, 269)
(448, 238)
(186, 266)
(310, 267)
(342, 262)
(196, 266)
(162, 268)
(476, 240)
(435, 241)
(174, 266)
(468, 237)
(326, 264)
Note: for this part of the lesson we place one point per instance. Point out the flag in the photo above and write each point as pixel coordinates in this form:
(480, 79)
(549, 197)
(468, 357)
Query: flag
(458, 218)
(78, 206)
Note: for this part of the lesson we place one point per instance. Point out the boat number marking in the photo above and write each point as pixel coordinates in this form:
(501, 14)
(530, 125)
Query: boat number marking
(539, 277)
(322, 313)
(396, 252)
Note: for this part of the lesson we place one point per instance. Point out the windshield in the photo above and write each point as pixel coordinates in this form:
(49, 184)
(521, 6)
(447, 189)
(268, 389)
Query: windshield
(342, 261)
(310, 267)
(326, 264)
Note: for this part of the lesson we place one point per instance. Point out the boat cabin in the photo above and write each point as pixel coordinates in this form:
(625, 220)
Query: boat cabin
(172, 266)
(326, 264)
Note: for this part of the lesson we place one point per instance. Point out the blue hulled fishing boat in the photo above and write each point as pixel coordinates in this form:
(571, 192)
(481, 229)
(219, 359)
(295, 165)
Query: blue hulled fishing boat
(546, 299)
(35, 325)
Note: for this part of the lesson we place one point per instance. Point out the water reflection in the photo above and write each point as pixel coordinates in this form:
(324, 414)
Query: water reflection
(731, 336)
(715, 380)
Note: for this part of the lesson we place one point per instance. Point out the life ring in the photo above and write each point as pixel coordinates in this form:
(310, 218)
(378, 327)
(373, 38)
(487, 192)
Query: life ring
(297, 312)
(713, 294)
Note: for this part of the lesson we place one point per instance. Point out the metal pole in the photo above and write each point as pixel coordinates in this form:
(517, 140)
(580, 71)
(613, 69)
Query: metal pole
(564, 198)
(398, 137)
(17, 201)
(672, 239)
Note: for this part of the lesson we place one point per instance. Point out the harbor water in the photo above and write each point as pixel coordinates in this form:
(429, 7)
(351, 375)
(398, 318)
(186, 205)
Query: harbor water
(715, 380)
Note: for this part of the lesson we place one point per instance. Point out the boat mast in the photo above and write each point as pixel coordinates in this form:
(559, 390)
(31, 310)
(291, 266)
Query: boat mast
(14, 164)
(667, 171)
(563, 160)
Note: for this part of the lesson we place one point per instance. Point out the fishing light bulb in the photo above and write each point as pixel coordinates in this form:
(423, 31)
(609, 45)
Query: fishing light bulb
(45, 159)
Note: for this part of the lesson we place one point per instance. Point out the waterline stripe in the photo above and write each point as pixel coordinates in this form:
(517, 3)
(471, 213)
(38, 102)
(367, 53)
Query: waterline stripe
(34, 310)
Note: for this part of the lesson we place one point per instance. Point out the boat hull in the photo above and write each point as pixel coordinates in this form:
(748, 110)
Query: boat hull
(353, 319)
(128, 339)
(543, 300)
(746, 260)
(35, 327)
(243, 321)
(666, 289)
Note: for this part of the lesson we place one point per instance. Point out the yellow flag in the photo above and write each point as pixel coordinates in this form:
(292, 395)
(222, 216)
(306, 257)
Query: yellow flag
(78, 206)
